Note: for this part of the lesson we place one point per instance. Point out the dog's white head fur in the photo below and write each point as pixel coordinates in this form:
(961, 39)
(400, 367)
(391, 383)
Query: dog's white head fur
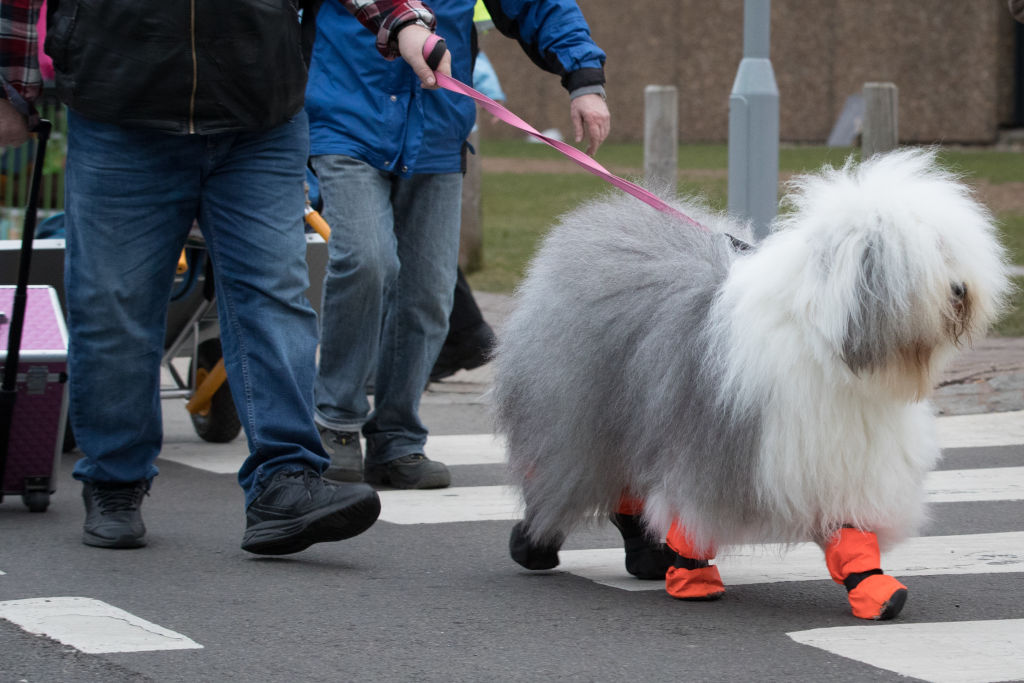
(889, 266)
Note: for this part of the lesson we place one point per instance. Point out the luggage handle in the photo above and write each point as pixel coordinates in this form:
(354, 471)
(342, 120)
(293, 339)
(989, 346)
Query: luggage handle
(8, 389)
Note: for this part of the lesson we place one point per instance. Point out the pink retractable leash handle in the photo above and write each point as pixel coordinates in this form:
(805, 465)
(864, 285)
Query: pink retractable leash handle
(434, 49)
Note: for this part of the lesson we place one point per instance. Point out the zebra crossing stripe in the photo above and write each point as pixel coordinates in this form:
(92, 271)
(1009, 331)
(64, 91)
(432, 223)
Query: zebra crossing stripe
(988, 484)
(960, 431)
(457, 504)
(91, 626)
(985, 429)
(998, 553)
(948, 652)
(451, 449)
(483, 503)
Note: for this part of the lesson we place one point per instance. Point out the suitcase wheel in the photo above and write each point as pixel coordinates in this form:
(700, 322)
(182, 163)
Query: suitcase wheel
(36, 501)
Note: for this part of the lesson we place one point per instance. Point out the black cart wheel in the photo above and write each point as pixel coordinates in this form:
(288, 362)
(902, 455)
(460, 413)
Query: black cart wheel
(218, 423)
(36, 501)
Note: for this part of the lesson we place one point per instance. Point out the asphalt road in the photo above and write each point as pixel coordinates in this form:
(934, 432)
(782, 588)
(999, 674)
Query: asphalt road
(420, 598)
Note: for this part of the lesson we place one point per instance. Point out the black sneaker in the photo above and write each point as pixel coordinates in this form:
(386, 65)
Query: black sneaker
(112, 515)
(345, 452)
(300, 508)
(470, 350)
(415, 471)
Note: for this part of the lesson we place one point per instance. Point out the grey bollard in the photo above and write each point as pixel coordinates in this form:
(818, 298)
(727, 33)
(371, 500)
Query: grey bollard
(880, 132)
(754, 125)
(661, 136)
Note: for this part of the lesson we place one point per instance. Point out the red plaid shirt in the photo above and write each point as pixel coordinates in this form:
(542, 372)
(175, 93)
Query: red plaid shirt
(19, 59)
(383, 17)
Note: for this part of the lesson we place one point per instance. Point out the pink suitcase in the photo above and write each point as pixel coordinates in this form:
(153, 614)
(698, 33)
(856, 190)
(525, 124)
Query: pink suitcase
(40, 410)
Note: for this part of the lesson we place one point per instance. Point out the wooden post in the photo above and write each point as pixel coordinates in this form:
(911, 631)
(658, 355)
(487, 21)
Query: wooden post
(471, 241)
(881, 119)
(661, 136)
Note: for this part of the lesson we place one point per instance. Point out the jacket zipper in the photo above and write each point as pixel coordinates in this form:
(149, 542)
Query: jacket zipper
(195, 71)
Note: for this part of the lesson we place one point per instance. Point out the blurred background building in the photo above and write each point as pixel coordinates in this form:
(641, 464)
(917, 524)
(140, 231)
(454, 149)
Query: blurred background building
(957, 64)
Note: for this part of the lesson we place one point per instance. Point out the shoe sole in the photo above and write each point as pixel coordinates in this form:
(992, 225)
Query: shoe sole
(475, 362)
(320, 526)
(120, 543)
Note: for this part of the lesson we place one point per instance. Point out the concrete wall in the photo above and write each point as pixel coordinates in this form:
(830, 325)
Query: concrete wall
(951, 59)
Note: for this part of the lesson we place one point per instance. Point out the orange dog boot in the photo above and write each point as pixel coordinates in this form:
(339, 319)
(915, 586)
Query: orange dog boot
(691, 576)
(853, 559)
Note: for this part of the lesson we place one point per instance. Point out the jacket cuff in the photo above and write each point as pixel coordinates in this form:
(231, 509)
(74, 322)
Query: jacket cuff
(409, 12)
(582, 78)
(588, 90)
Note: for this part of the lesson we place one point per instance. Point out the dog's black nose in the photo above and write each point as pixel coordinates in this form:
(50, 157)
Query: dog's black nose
(959, 289)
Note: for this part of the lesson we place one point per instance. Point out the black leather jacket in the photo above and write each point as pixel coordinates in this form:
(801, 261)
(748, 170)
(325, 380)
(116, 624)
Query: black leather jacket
(180, 66)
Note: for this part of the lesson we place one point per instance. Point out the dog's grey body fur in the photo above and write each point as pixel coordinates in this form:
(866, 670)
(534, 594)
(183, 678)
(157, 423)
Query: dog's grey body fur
(633, 285)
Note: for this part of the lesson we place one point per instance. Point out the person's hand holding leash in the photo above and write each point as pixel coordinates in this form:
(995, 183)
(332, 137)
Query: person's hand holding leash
(412, 43)
(591, 119)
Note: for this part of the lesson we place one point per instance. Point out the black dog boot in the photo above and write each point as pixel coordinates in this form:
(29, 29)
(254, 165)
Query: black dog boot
(645, 559)
(530, 555)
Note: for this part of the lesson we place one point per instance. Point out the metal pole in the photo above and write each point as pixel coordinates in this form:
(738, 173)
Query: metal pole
(661, 136)
(754, 125)
(881, 119)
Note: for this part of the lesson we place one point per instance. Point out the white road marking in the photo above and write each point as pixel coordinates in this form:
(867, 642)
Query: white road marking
(477, 503)
(223, 460)
(467, 449)
(451, 449)
(184, 447)
(91, 626)
(953, 652)
(999, 553)
(458, 504)
(986, 429)
(957, 486)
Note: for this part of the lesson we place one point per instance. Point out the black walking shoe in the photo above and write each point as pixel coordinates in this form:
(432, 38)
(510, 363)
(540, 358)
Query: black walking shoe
(300, 508)
(112, 515)
(345, 452)
(470, 351)
(415, 471)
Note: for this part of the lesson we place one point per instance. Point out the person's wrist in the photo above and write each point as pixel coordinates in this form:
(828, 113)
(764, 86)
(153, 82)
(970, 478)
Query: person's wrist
(588, 90)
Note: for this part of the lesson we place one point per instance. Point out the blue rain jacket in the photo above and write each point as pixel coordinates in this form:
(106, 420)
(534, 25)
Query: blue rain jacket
(366, 107)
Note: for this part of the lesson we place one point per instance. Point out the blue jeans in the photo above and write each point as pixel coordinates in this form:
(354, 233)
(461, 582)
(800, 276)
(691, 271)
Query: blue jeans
(388, 291)
(132, 195)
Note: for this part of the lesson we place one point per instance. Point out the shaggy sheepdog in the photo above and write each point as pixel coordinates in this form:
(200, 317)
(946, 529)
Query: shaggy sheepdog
(705, 393)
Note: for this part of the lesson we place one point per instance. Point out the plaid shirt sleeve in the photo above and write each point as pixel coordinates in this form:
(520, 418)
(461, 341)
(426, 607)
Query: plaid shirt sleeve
(386, 17)
(19, 56)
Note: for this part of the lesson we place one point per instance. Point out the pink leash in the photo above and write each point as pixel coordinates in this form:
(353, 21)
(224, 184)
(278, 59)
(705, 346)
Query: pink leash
(434, 49)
